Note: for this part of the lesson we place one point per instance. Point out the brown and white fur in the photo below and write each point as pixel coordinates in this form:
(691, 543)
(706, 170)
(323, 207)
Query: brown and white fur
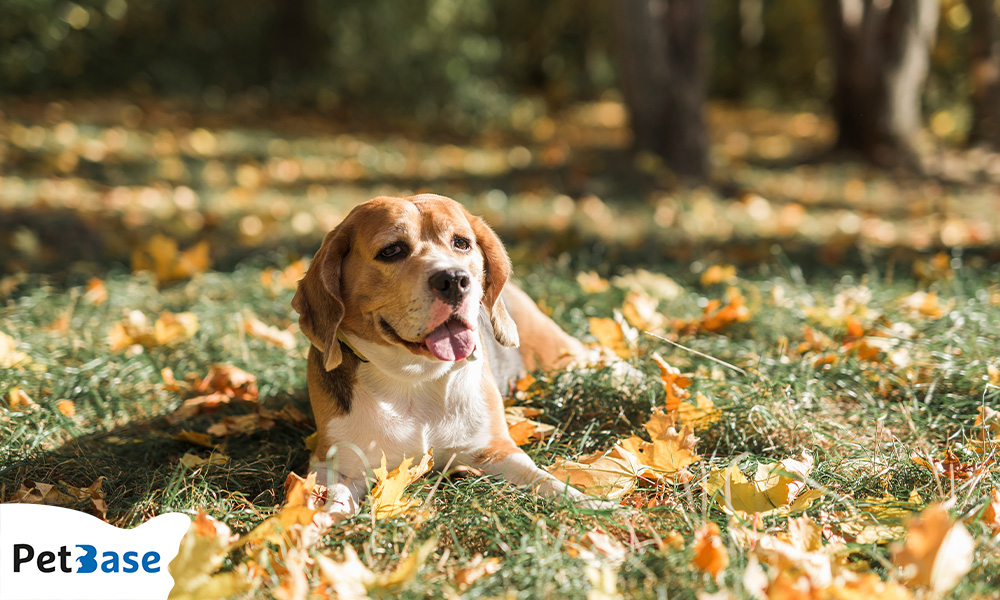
(404, 281)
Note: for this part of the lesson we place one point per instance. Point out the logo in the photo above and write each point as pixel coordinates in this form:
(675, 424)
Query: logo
(53, 553)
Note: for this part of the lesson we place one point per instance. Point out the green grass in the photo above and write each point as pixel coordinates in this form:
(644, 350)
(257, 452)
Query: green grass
(860, 419)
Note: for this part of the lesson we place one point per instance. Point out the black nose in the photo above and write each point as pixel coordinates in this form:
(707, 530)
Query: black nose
(451, 285)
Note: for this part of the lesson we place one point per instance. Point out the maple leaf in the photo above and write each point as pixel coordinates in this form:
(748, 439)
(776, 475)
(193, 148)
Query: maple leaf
(282, 338)
(669, 452)
(387, 496)
(201, 552)
(611, 335)
(640, 310)
(161, 256)
(35, 492)
(474, 570)
(223, 384)
(10, 356)
(990, 515)
(349, 579)
(776, 488)
(710, 554)
(950, 468)
(612, 474)
(936, 553)
(674, 383)
(521, 428)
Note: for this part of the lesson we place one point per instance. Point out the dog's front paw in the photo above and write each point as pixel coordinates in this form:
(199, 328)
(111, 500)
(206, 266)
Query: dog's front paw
(340, 503)
(592, 503)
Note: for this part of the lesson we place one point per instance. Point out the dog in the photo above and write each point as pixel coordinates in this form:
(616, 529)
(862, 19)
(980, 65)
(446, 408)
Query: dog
(415, 330)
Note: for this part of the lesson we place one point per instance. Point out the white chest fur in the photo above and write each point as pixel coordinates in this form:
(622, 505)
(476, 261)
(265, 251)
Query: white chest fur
(405, 410)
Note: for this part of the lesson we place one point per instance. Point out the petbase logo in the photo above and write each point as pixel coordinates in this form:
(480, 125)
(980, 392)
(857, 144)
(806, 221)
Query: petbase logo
(54, 553)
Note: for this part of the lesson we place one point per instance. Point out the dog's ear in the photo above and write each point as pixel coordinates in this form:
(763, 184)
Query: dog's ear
(497, 269)
(317, 299)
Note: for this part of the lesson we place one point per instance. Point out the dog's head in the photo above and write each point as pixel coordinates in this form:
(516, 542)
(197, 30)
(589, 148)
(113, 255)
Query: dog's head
(406, 272)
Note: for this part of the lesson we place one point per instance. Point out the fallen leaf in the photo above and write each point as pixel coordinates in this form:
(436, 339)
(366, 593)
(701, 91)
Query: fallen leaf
(875, 520)
(171, 328)
(10, 356)
(231, 381)
(406, 570)
(926, 304)
(168, 329)
(710, 554)
(96, 292)
(161, 256)
(702, 413)
(991, 512)
(193, 461)
(640, 310)
(674, 383)
(287, 278)
(670, 450)
(657, 285)
(349, 579)
(521, 428)
(474, 570)
(282, 338)
(936, 553)
(592, 283)
(66, 408)
(718, 274)
(33, 492)
(597, 546)
(776, 488)
(387, 495)
(603, 578)
(613, 474)
(194, 437)
(19, 401)
(610, 335)
(201, 552)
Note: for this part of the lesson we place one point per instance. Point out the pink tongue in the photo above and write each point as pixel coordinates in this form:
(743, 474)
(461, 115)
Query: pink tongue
(451, 341)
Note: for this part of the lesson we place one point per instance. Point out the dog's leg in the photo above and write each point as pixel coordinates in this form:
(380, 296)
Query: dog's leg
(344, 494)
(518, 468)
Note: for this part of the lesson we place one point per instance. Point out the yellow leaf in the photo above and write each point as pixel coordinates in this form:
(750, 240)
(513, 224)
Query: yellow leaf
(776, 488)
(282, 338)
(406, 570)
(310, 441)
(172, 328)
(991, 512)
(700, 414)
(936, 553)
(194, 437)
(349, 579)
(66, 408)
(640, 310)
(718, 274)
(669, 452)
(592, 283)
(610, 335)
(877, 520)
(96, 293)
(18, 401)
(522, 429)
(609, 475)
(193, 461)
(161, 256)
(926, 304)
(710, 554)
(603, 579)
(475, 569)
(597, 546)
(674, 383)
(387, 496)
(201, 552)
(10, 357)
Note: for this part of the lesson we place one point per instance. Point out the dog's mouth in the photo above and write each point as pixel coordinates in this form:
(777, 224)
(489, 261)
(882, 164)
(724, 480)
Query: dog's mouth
(452, 340)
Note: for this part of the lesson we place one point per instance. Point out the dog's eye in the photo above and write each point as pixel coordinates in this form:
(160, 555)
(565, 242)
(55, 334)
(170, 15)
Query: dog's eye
(392, 252)
(461, 244)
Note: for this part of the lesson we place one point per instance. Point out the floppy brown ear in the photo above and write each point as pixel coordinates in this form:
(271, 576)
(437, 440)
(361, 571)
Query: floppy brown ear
(497, 268)
(317, 299)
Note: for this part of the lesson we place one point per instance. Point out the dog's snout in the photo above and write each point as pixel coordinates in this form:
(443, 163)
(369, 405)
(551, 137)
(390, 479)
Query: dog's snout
(451, 285)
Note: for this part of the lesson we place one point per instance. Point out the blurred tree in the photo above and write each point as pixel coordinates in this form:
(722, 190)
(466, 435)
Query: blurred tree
(881, 57)
(661, 53)
(984, 37)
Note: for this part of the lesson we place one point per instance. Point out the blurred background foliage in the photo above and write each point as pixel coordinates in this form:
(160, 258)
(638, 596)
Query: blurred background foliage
(456, 63)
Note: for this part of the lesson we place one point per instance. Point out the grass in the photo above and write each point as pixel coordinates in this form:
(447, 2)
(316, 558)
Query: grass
(860, 419)
(811, 254)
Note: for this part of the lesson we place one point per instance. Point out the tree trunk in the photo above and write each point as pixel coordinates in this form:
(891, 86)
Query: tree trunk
(661, 51)
(985, 49)
(881, 56)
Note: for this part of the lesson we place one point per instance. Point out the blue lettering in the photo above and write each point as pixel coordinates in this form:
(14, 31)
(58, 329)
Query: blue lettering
(131, 566)
(110, 564)
(149, 561)
(87, 562)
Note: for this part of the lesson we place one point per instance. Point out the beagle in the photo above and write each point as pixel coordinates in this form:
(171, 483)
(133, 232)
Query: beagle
(412, 324)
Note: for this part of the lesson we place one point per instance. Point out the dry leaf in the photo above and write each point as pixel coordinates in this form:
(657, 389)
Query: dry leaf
(168, 329)
(66, 408)
(201, 552)
(657, 285)
(173, 328)
(349, 579)
(603, 578)
(521, 428)
(10, 356)
(592, 283)
(406, 570)
(19, 401)
(991, 512)
(162, 257)
(710, 554)
(387, 496)
(876, 520)
(926, 304)
(669, 452)
(97, 292)
(597, 546)
(776, 488)
(282, 338)
(32, 492)
(718, 274)
(193, 461)
(936, 553)
(613, 474)
(610, 335)
(674, 383)
(640, 310)
(194, 437)
(287, 278)
(700, 414)
(231, 381)
(474, 570)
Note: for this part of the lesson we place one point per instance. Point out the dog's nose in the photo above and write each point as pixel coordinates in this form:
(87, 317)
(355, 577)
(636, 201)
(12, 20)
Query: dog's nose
(451, 285)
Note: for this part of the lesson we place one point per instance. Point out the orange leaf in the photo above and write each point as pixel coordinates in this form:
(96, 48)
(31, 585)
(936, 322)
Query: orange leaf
(710, 553)
(609, 334)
